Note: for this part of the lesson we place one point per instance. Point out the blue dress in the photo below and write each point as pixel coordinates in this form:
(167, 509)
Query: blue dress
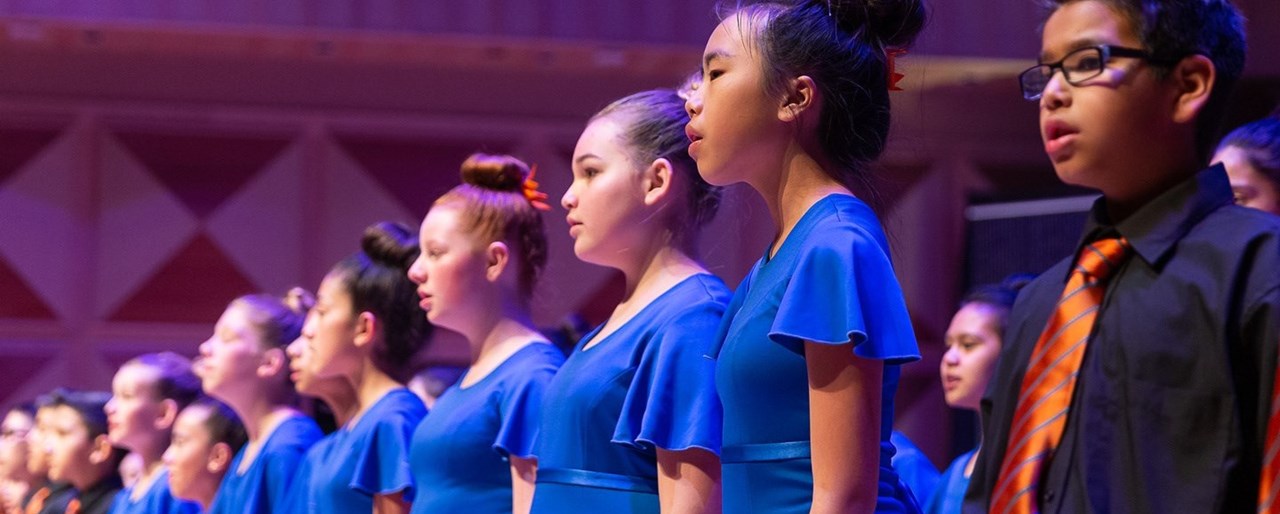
(157, 500)
(299, 498)
(830, 282)
(913, 466)
(948, 497)
(461, 450)
(263, 487)
(367, 458)
(647, 385)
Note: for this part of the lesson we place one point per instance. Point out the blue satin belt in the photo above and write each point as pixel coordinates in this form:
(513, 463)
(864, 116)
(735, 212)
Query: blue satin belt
(597, 479)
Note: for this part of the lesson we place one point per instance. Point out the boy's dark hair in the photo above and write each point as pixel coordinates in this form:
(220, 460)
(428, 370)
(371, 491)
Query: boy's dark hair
(378, 282)
(844, 46)
(87, 404)
(223, 424)
(90, 406)
(176, 381)
(1260, 142)
(26, 408)
(1173, 29)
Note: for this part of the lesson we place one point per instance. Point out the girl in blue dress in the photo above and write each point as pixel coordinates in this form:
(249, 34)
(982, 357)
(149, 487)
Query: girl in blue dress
(147, 393)
(206, 437)
(365, 328)
(630, 424)
(244, 365)
(337, 393)
(974, 340)
(481, 248)
(795, 103)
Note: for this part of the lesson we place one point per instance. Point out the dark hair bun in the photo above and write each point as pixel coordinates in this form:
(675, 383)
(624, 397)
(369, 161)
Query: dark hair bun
(495, 172)
(299, 300)
(389, 243)
(888, 23)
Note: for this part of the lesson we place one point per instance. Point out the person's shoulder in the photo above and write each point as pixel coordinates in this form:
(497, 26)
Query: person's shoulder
(844, 226)
(1241, 234)
(695, 297)
(709, 288)
(531, 362)
(299, 427)
(1238, 221)
(398, 406)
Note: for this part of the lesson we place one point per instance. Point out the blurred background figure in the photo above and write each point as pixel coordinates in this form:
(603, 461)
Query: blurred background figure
(431, 382)
(17, 483)
(131, 468)
(974, 340)
(206, 437)
(1251, 155)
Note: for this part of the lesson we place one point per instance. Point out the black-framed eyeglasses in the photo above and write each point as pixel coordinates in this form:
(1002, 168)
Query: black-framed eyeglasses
(1077, 67)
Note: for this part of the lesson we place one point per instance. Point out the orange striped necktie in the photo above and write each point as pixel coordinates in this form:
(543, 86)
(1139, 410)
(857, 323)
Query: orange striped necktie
(37, 501)
(1269, 485)
(73, 507)
(1045, 395)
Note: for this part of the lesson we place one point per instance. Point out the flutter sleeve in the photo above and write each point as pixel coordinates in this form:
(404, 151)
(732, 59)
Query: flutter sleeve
(520, 405)
(844, 290)
(382, 468)
(672, 402)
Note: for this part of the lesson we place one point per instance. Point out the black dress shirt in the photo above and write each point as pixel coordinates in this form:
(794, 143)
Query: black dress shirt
(99, 497)
(1170, 407)
(60, 494)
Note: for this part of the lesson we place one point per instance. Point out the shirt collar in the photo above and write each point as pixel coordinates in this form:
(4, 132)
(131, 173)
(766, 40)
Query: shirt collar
(1157, 227)
(104, 490)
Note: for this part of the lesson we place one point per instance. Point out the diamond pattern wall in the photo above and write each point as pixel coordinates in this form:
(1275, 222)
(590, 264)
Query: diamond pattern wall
(129, 233)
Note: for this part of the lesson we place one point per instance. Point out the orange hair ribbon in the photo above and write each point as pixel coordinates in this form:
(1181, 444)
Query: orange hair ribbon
(530, 189)
(894, 77)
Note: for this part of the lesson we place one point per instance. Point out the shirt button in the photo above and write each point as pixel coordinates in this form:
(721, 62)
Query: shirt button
(1048, 496)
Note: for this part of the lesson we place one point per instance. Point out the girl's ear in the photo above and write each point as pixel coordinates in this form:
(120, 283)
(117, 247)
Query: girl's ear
(219, 457)
(168, 414)
(366, 329)
(497, 256)
(800, 96)
(273, 362)
(100, 449)
(657, 181)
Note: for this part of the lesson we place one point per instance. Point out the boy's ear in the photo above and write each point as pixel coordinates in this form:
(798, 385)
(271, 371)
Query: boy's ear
(273, 362)
(168, 414)
(657, 181)
(800, 95)
(100, 449)
(1194, 78)
(219, 457)
(366, 328)
(496, 258)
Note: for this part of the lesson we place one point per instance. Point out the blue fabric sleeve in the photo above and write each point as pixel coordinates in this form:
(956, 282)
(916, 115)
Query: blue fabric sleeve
(184, 507)
(844, 290)
(383, 466)
(519, 409)
(117, 505)
(672, 402)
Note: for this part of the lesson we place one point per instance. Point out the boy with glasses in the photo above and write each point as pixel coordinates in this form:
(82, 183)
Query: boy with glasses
(1136, 374)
